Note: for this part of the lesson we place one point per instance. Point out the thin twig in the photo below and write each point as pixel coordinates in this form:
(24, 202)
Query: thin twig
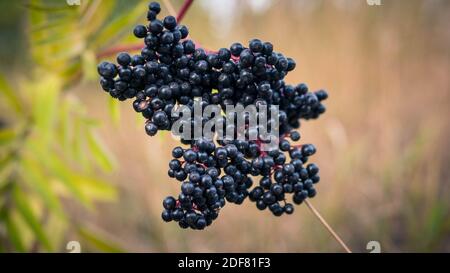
(90, 12)
(135, 47)
(116, 49)
(169, 7)
(317, 214)
(183, 10)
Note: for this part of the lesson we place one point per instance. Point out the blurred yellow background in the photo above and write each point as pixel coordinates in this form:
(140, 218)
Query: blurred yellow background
(383, 144)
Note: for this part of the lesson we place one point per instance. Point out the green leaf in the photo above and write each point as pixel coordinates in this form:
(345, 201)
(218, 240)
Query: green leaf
(99, 152)
(119, 27)
(14, 235)
(32, 173)
(6, 136)
(30, 218)
(114, 109)
(56, 39)
(96, 189)
(65, 125)
(89, 65)
(58, 22)
(99, 243)
(36, 6)
(78, 144)
(45, 94)
(7, 165)
(10, 95)
(96, 15)
(57, 168)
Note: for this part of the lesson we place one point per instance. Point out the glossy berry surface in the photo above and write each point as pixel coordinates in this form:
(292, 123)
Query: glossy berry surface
(171, 70)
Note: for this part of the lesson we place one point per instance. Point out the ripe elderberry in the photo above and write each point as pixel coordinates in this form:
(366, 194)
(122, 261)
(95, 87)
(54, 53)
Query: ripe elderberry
(171, 71)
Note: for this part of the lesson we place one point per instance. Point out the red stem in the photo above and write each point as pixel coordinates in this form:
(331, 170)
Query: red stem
(116, 49)
(187, 4)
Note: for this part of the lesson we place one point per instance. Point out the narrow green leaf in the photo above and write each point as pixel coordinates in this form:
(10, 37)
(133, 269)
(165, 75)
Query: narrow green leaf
(10, 95)
(36, 180)
(48, 8)
(117, 28)
(65, 125)
(45, 95)
(7, 166)
(99, 243)
(96, 189)
(14, 235)
(79, 144)
(89, 65)
(30, 218)
(96, 15)
(57, 168)
(57, 22)
(101, 155)
(114, 109)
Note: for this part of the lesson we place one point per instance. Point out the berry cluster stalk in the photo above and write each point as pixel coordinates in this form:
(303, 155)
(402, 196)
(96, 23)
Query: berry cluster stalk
(116, 49)
(327, 226)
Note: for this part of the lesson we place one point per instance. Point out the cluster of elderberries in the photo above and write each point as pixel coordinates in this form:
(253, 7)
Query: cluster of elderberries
(172, 71)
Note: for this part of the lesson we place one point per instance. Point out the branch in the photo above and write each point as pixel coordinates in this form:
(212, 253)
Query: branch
(317, 214)
(187, 4)
(121, 48)
(135, 47)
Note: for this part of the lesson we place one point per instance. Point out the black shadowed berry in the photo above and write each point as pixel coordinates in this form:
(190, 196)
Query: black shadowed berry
(295, 136)
(123, 59)
(174, 164)
(170, 22)
(167, 37)
(224, 54)
(267, 48)
(308, 149)
(289, 208)
(140, 31)
(169, 203)
(159, 118)
(190, 155)
(291, 64)
(151, 129)
(156, 26)
(187, 188)
(256, 45)
(189, 47)
(184, 31)
(166, 216)
(151, 15)
(246, 58)
(312, 169)
(154, 6)
(107, 70)
(261, 205)
(236, 49)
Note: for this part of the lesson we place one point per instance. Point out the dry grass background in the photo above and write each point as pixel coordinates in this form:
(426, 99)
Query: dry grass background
(383, 145)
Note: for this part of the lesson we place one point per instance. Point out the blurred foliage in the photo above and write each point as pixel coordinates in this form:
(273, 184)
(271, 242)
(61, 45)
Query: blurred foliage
(49, 148)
